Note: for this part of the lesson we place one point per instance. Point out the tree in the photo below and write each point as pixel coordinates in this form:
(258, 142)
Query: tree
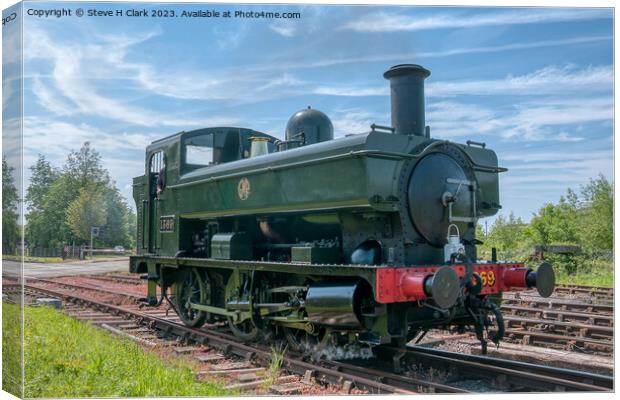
(42, 177)
(584, 219)
(507, 235)
(10, 201)
(87, 210)
(555, 224)
(120, 220)
(83, 168)
(63, 204)
(596, 228)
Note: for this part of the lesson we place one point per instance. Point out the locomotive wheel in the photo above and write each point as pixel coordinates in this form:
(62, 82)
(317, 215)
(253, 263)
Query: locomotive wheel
(246, 330)
(192, 287)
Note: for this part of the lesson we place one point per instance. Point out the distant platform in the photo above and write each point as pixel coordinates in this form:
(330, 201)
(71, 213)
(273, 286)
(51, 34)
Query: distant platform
(44, 270)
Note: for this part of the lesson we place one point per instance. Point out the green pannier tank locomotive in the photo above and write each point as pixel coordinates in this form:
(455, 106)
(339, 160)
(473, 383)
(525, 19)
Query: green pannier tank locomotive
(367, 238)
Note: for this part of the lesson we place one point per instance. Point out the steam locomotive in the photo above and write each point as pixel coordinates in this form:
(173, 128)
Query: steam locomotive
(367, 238)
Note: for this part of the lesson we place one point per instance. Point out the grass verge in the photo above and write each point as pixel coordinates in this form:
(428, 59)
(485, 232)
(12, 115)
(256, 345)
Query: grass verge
(56, 260)
(596, 278)
(68, 358)
(47, 260)
(11, 349)
(583, 270)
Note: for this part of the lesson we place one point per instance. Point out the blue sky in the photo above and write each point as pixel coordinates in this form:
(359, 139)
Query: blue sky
(535, 84)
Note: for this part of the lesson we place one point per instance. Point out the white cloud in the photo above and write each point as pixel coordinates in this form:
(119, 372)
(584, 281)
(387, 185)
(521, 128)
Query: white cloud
(7, 93)
(284, 28)
(351, 91)
(230, 39)
(12, 43)
(400, 57)
(123, 171)
(393, 22)
(50, 100)
(56, 138)
(531, 121)
(537, 155)
(282, 81)
(507, 47)
(548, 80)
(452, 119)
(551, 80)
(354, 120)
(246, 87)
(77, 69)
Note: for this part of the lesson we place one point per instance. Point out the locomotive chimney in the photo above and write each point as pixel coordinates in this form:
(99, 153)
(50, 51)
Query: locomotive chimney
(407, 97)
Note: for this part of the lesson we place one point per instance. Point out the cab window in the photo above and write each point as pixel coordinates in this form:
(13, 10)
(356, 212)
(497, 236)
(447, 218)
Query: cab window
(157, 171)
(198, 151)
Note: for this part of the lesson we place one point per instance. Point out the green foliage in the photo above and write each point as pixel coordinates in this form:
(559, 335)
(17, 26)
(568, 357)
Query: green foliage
(275, 365)
(555, 224)
(10, 201)
(41, 180)
(590, 271)
(582, 219)
(508, 236)
(63, 204)
(87, 210)
(67, 358)
(12, 349)
(597, 226)
(47, 260)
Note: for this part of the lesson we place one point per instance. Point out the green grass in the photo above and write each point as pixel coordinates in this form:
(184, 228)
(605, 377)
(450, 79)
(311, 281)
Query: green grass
(47, 260)
(105, 256)
(11, 349)
(583, 270)
(595, 278)
(275, 365)
(68, 358)
(53, 260)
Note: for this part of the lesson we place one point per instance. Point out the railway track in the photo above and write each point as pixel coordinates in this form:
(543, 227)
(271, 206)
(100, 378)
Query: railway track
(557, 304)
(119, 278)
(595, 319)
(549, 323)
(583, 289)
(559, 323)
(530, 320)
(129, 320)
(512, 375)
(227, 344)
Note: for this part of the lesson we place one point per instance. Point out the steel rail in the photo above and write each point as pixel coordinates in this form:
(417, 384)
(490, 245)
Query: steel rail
(561, 304)
(116, 278)
(584, 343)
(591, 290)
(559, 315)
(325, 372)
(517, 372)
(566, 327)
(79, 287)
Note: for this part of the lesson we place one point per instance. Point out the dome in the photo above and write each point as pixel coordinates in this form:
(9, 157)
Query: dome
(310, 126)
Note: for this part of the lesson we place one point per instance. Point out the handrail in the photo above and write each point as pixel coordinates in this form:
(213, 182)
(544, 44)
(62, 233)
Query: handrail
(350, 154)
